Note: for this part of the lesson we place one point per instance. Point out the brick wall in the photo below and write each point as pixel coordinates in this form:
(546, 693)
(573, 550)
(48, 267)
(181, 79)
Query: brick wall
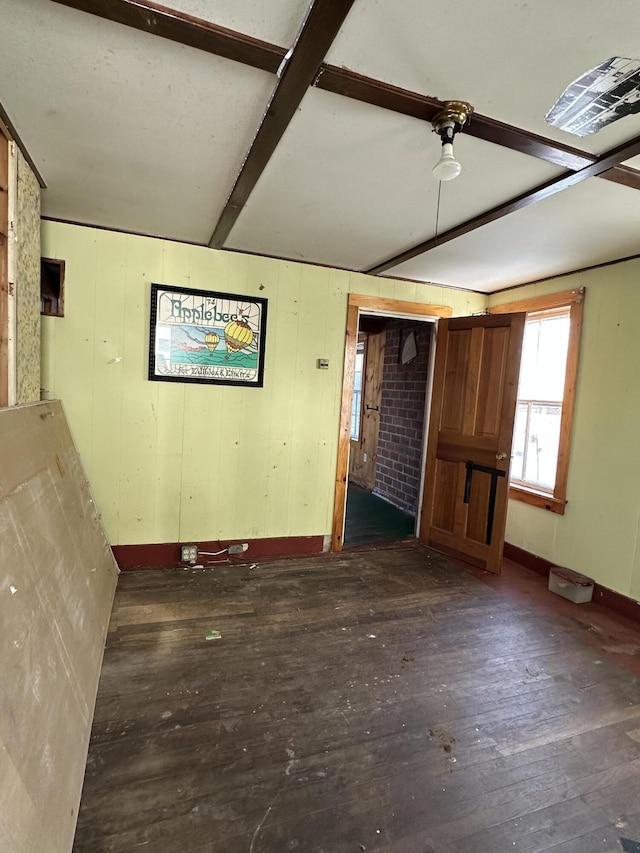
(402, 416)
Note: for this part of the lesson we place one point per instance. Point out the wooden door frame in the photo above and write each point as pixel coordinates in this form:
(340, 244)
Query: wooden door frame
(377, 305)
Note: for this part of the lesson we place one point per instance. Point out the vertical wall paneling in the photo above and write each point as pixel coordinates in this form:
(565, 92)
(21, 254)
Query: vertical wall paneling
(171, 462)
(139, 399)
(106, 371)
(178, 474)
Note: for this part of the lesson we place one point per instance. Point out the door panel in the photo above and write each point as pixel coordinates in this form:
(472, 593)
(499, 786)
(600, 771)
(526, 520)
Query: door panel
(475, 387)
(363, 457)
(476, 521)
(488, 410)
(453, 400)
(446, 477)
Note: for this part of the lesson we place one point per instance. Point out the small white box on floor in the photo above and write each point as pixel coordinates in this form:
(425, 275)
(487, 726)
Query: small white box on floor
(571, 585)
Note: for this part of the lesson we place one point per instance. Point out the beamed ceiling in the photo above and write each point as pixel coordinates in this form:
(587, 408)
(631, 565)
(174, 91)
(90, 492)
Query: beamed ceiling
(304, 131)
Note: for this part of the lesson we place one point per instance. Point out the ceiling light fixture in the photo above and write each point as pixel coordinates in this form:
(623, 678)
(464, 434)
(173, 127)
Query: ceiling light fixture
(449, 121)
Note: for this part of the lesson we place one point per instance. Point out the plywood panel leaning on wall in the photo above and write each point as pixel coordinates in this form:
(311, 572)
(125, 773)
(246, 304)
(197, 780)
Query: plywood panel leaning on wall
(57, 580)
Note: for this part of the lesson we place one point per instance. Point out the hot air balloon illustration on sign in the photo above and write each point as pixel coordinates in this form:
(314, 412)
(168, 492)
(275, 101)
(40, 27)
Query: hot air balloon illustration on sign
(237, 335)
(212, 340)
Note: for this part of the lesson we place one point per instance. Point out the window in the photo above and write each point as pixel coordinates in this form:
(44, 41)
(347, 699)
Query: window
(544, 412)
(536, 435)
(51, 287)
(356, 405)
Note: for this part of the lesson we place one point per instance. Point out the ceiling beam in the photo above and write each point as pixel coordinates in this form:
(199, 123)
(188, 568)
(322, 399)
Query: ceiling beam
(342, 81)
(624, 175)
(600, 166)
(202, 35)
(185, 29)
(316, 36)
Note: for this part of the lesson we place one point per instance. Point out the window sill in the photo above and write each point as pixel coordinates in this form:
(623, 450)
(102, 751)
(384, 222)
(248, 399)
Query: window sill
(539, 499)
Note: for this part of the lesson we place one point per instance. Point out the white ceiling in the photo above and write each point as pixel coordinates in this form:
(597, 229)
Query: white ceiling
(533, 235)
(275, 21)
(128, 130)
(370, 175)
(511, 60)
(136, 132)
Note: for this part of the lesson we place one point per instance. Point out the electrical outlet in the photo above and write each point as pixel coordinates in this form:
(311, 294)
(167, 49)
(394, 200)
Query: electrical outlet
(189, 553)
(365, 457)
(238, 548)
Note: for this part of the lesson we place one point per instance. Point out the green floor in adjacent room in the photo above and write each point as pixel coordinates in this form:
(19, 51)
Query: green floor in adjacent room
(372, 519)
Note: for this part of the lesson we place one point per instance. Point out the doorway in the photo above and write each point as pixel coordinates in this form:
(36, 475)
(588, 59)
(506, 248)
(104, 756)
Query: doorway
(373, 452)
(392, 370)
(471, 404)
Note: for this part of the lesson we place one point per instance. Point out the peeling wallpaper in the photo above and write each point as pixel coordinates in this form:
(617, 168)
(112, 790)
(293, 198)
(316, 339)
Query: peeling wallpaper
(27, 285)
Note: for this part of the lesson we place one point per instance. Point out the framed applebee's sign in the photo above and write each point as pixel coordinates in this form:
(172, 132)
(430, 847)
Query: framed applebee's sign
(204, 336)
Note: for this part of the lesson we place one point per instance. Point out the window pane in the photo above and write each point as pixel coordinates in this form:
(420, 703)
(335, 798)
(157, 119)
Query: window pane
(519, 438)
(542, 445)
(544, 358)
(357, 382)
(540, 393)
(356, 404)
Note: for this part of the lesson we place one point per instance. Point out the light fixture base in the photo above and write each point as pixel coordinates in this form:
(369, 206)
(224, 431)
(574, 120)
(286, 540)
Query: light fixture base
(456, 112)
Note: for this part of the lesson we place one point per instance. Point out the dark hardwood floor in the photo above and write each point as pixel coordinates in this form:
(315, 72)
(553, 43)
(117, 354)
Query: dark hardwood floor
(384, 701)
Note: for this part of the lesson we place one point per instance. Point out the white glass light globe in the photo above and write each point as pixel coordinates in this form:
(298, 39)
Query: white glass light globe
(447, 168)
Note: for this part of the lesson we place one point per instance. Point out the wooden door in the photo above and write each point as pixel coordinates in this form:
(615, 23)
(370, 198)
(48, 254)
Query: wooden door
(363, 455)
(475, 386)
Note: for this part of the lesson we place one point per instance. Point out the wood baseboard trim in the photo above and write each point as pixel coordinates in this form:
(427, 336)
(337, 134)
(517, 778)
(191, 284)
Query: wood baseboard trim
(525, 558)
(602, 595)
(166, 555)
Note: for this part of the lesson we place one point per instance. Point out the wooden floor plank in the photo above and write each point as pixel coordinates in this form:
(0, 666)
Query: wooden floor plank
(381, 700)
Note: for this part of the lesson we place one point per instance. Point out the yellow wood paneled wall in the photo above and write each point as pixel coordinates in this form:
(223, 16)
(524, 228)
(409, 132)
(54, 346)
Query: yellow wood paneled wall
(169, 462)
(598, 535)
